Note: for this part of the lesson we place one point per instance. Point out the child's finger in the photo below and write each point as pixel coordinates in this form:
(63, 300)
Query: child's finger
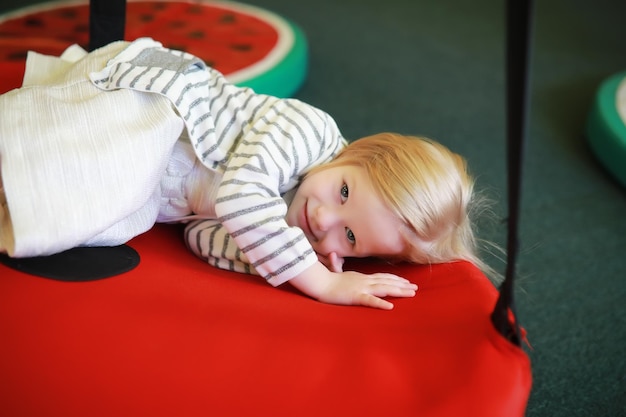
(336, 262)
(393, 291)
(387, 287)
(380, 275)
(369, 300)
(393, 281)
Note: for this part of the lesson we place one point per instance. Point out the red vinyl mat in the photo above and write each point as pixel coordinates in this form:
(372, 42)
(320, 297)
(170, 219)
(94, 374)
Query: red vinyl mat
(177, 337)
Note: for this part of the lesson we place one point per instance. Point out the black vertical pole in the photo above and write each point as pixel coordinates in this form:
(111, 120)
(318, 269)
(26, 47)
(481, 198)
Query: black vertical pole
(518, 27)
(107, 19)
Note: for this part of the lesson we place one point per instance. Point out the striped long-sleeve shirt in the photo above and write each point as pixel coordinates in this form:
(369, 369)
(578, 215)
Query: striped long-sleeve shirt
(262, 146)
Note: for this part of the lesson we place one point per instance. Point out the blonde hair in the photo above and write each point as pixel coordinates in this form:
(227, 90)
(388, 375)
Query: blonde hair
(428, 188)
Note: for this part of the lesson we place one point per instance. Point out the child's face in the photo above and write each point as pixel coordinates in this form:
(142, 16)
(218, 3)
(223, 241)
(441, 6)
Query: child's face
(339, 211)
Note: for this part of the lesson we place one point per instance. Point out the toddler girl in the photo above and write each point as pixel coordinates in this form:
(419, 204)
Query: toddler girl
(95, 148)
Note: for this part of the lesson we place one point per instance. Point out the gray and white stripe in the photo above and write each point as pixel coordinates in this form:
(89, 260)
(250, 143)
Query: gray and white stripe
(262, 145)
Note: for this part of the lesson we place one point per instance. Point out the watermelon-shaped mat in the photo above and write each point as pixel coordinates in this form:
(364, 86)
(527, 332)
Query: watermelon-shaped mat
(176, 337)
(252, 46)
(606, 126)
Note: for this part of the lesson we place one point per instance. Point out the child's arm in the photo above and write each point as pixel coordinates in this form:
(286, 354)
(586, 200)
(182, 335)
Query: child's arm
(210, 241)
(352, 288)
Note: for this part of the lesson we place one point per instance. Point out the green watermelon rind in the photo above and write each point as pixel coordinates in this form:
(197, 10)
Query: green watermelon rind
(281, 73)
(288, 75)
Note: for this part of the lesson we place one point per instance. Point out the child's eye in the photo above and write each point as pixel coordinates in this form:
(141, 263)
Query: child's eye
(344, 192)
(350, 236)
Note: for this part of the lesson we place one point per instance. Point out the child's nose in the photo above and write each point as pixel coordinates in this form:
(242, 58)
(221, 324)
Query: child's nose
(326, 218)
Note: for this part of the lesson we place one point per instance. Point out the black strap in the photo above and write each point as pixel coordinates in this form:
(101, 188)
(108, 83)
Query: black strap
(107, 20)
(518, 26)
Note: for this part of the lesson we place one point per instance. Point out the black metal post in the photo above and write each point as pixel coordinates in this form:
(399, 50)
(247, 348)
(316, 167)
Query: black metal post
(518, 47)
(107, 20)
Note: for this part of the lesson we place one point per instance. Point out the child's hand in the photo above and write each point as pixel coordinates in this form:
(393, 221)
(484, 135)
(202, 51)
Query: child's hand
(355, 288)
(352, 288)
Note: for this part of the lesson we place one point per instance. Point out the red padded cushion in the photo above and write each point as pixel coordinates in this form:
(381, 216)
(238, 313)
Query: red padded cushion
(176, 337)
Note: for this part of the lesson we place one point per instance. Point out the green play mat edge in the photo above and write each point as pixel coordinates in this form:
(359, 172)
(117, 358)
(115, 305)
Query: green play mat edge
(286, 78)
(606, 131)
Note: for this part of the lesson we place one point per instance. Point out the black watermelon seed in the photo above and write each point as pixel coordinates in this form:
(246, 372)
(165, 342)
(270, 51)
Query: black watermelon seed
(241, 47)
(68, 14)
(34, 22)
(194, 10)
(228, 18)
(17, 56)
(196, 34)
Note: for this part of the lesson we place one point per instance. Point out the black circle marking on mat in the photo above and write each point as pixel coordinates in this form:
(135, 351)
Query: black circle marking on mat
(78, 264)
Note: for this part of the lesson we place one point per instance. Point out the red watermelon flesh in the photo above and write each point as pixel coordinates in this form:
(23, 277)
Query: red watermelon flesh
(227, 38)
